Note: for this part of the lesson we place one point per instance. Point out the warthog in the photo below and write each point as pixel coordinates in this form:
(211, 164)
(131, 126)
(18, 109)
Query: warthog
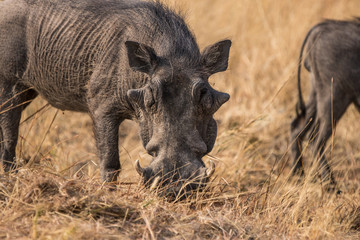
(333, 60)
(115, 60)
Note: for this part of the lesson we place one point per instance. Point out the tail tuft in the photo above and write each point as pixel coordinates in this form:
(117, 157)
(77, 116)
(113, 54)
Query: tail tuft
(300, 109)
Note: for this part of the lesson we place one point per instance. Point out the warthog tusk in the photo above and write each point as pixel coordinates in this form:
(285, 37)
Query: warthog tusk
(155, 183)
(138, 168)
(210, 171)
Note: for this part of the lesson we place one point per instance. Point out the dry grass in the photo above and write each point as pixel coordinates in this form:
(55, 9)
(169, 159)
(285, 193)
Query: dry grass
(58, 195)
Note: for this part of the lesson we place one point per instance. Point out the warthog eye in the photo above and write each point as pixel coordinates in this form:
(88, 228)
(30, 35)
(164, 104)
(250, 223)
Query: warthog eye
(203, 93)
(206, 98)
(149, 97)
(203, 96)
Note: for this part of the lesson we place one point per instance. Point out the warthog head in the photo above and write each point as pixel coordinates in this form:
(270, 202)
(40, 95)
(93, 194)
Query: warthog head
(175, 112)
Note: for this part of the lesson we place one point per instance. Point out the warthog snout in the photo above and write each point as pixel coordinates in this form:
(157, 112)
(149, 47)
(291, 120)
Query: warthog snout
(177, 182)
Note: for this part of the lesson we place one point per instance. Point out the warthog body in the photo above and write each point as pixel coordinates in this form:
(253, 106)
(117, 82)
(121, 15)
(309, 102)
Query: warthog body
(115, 60)
(333, 60)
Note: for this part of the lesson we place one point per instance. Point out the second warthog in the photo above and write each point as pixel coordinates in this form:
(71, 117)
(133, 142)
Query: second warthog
(115, 60)
(333, 60)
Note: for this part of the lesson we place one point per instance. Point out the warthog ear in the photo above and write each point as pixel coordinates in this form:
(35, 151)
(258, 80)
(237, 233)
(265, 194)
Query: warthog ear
(141, 57)
(215, 57)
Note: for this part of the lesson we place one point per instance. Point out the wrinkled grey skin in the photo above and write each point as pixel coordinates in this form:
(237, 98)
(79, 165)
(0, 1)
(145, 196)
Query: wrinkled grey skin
(114, 60)
(333, 52)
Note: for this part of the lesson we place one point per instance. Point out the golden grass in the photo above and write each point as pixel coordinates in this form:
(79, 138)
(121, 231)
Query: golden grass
(59, 195)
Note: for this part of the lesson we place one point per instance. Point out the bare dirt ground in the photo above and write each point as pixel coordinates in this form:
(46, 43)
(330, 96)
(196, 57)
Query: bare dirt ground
(57, 193)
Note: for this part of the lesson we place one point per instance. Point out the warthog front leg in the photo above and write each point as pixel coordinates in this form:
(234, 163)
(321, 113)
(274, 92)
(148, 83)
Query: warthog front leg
(13, 100)
(106, 128)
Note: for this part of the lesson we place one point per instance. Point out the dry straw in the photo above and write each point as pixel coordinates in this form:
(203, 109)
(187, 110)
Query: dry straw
(59, 195)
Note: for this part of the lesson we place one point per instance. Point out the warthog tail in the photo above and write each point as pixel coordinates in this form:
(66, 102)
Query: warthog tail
(300, 106)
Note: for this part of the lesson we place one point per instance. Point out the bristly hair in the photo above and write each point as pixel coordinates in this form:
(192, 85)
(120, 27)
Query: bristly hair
(171, 24)
(99, 30)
